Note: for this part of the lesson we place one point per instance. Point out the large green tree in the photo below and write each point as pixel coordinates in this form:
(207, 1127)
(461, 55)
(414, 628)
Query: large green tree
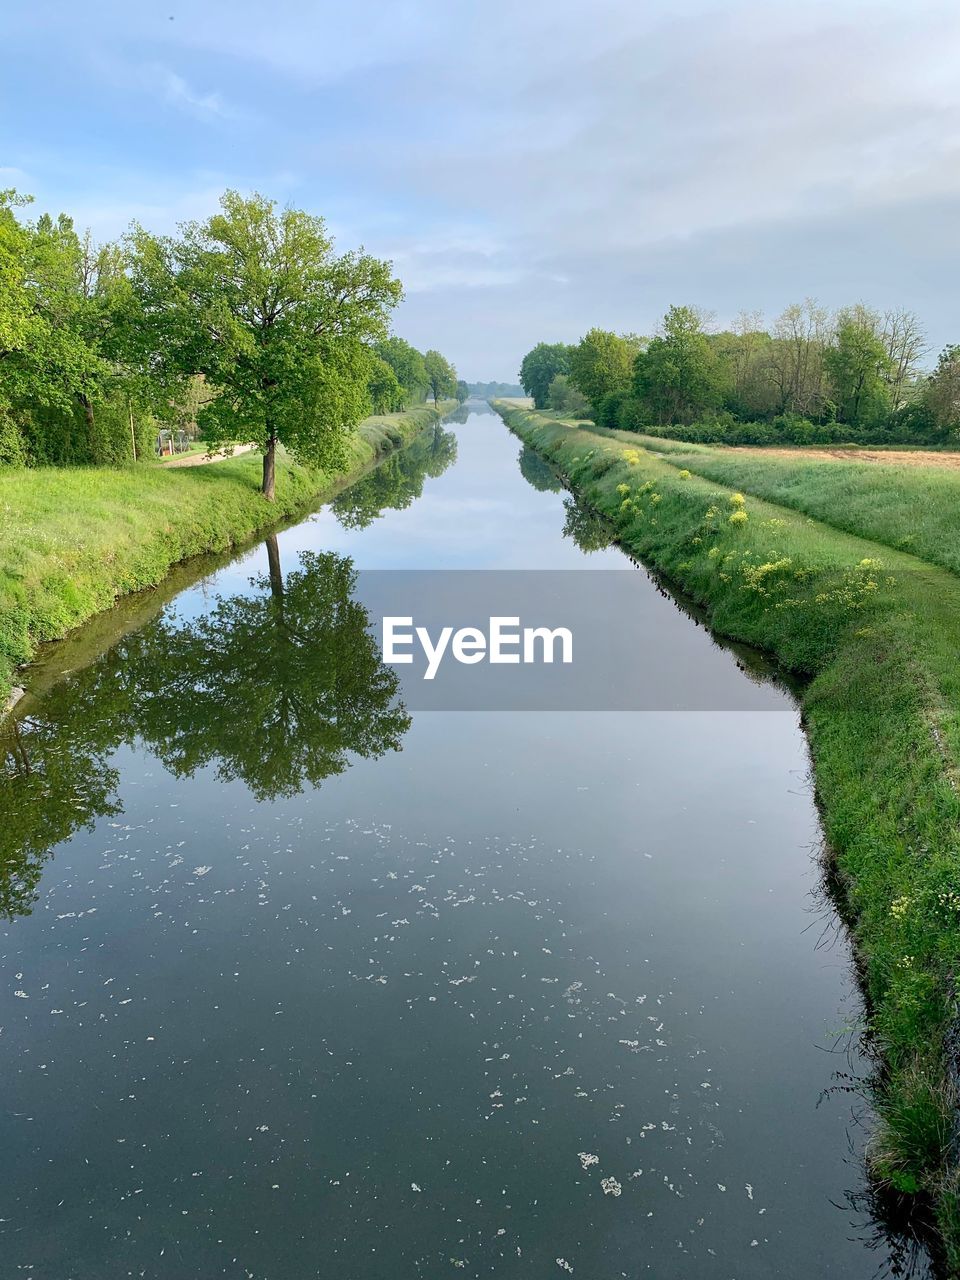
(679, 377)
(601, 365)
(281, 328)
(859, 368)
(539, 368)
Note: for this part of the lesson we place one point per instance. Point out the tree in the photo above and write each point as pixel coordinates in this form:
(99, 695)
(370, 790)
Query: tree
(462, 392)
(744, 354)
(564, 397)
(859, 368)
(801, 336)
(386, 394)
(941, 395)
(601, 364)
(282, 328)
(679, 377)
(441, 376)
(62, 350)
(539, 368)
(407, 363)
(906, 344)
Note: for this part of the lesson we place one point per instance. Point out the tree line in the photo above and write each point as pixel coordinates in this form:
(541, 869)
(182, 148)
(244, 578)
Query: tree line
(248, 325)
(857, 374)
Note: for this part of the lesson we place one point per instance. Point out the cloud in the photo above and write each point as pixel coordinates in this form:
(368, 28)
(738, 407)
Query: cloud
(202, 106)
(531, 169)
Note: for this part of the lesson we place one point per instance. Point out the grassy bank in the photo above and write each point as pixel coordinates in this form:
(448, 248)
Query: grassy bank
(73, 541)
(877, 631)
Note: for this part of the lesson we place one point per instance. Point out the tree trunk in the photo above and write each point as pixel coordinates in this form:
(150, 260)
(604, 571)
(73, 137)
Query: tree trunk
(276, 573)
(270, 470)
(91, 431)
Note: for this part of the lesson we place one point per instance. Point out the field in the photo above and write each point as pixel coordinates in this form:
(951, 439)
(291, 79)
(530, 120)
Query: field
(846, 572)
(73, 541)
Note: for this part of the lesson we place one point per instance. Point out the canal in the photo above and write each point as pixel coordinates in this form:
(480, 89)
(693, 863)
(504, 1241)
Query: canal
(300, 982)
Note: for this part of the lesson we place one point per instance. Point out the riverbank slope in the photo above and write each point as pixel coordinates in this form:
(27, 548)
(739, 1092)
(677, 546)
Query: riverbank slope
(877, 631)
(72, 542)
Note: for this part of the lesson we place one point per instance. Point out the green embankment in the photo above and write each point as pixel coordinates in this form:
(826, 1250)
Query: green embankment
(909, 508)
(73, 541)
(878, 633)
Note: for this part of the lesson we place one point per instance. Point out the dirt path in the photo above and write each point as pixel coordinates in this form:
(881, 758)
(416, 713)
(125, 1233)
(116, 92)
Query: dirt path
(201, 459)
(890, 457)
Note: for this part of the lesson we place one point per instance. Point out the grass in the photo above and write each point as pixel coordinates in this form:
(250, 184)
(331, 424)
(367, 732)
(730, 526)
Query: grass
(73, 541)
(908, 508)
(877, 631)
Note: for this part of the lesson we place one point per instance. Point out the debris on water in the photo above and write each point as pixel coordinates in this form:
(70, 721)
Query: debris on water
(611, 1187)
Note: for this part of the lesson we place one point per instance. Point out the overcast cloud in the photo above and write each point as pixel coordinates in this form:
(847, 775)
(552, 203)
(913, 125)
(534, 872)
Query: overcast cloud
(532, 169)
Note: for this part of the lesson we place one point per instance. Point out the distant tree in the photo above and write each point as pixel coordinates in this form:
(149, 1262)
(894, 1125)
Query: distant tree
(494, 390)
(801, 336)
(256, 301)
(462, 392)
(679, 377)
(906, 344)
(540, 366)
(744, 353)
(441, 376)
(407, 363)
(564, 397)
(941, 394)
(601, 364)
(859, 368)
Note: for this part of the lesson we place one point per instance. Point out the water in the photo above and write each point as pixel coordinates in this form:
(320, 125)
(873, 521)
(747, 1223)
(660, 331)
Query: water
(299, 984)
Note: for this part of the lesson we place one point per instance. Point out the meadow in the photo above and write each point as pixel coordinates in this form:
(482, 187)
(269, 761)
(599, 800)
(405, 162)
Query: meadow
(805, 559)
(74, 540)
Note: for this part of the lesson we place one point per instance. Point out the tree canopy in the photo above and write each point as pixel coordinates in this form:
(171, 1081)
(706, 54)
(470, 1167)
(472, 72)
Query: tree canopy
(855, 374)
(281, 328)
(539, 368)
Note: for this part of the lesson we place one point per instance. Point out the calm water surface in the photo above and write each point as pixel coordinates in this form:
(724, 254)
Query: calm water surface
(298, 984)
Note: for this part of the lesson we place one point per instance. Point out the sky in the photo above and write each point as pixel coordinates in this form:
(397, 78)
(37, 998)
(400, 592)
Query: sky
(532, 169)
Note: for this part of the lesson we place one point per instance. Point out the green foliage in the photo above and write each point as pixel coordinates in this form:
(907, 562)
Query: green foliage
(408, 366)
(281, 328)
(485, 390)
(441, 376)
(564, 397)
(850, 376)
(462, 392)
(602, 363)
(386, 393)
(13, 447)
(539, 368)
(940, 399)
(679, 377)
(859, 368)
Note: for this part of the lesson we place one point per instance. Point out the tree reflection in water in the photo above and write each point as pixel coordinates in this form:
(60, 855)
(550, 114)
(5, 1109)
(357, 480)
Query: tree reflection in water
(276, 689)
(398, 481)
